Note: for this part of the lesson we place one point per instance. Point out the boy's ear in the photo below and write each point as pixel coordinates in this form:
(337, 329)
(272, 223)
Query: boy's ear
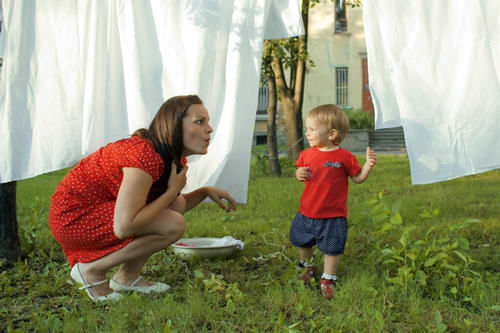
(332, 134)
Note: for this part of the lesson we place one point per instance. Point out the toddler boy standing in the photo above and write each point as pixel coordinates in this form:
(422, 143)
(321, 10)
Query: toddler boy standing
(325, 168)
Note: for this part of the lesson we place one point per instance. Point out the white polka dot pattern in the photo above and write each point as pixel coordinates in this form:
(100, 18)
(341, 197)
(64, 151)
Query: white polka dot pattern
(82, 207)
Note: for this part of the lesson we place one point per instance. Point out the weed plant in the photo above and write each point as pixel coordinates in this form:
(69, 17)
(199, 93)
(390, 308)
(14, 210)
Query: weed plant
(418, 259)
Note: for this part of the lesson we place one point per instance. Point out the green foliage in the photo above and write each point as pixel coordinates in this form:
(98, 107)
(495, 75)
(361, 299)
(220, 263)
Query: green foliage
(360, 119)
(289, 53)
(436, 260)
(257, 290)
(259, 165)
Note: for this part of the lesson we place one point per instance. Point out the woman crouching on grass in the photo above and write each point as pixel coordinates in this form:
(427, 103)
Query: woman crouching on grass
(122, 203)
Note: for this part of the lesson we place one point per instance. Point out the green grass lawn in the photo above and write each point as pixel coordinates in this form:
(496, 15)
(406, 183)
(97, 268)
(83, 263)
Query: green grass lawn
(418, 258)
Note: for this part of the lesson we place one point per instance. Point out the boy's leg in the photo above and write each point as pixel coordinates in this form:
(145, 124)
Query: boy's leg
(328, 280)
(305, 254)
(306, 265)
(302, 236)
(331, 264)
(333, 238)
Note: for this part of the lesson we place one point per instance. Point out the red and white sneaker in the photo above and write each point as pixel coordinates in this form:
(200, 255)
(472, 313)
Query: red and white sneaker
(328, 288)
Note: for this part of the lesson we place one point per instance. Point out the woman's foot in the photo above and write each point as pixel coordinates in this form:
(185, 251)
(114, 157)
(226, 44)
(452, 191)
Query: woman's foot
(94, 283)
(130, 279)
(138, 284)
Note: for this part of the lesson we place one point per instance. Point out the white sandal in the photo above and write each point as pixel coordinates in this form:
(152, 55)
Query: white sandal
(78, 277)
(158, 287)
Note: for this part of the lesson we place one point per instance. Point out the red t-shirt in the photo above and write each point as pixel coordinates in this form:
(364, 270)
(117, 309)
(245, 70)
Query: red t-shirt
(325, 192)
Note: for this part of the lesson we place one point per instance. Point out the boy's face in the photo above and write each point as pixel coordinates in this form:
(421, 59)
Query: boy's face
(318, 134)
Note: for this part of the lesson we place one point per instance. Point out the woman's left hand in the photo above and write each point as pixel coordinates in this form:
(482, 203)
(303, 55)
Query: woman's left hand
(216, 194)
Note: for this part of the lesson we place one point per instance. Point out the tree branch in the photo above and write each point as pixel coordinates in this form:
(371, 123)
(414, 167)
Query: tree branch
(279, 74)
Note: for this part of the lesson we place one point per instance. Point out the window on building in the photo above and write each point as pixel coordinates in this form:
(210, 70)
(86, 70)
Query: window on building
(342, 84)
(340, 16)
(263, 98)
(261, 139)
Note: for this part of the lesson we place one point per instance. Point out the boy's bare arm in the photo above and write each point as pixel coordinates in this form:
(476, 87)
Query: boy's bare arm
(371, 160)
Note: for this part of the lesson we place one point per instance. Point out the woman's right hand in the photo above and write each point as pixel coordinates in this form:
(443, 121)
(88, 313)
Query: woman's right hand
(177, 181)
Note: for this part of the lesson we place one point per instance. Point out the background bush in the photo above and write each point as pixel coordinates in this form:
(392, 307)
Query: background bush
(359, 119)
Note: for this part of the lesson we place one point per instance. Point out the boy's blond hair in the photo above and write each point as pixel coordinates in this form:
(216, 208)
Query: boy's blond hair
(332, 116)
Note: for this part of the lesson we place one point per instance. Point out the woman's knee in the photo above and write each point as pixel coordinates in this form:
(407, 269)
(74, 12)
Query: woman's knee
(177, 225)
(179, 205)
(168, 224)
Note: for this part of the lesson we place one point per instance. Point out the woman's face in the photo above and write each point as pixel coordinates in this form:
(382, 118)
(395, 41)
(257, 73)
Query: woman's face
(196, 130)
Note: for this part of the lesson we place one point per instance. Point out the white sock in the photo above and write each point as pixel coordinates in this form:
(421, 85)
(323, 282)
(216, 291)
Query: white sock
(329, 277)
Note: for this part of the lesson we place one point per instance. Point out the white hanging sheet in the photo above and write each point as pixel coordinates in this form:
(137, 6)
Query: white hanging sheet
(79, 74)
(434, 68)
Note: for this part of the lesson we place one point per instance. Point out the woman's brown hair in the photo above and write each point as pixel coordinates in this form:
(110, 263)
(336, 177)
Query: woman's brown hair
(165, 133)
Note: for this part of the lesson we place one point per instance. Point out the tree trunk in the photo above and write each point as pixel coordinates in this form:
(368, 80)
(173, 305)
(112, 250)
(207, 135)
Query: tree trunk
(293, 125)
(10, 248)
(293, 116)
(272, 140)
(291, 96)
(298, 92)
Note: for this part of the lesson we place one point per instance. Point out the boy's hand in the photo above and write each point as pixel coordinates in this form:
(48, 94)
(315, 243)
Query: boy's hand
(371, 160)
(371, 157)
(303, 173)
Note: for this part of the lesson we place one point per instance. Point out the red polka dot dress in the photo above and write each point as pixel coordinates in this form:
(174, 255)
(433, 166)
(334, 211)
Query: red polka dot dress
(82, 207)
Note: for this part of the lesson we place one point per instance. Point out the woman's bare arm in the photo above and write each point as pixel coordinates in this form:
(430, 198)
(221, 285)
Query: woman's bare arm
(214, 193)
(131, 212)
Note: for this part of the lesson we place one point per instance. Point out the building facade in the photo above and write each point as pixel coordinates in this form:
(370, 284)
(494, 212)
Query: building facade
(336, 45)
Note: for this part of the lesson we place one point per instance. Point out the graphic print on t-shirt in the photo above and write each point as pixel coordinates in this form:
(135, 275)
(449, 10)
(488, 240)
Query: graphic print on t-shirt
(335, 164)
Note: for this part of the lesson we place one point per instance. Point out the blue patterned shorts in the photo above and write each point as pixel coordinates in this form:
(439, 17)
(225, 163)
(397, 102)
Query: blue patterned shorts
(329, 234)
